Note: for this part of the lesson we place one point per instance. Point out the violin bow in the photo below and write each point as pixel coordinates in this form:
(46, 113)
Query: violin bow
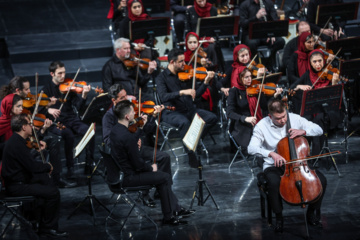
(36, 85)
(322, 30)
(157, 137)
(313, 157)
(67, 94)
(137, 77)
(252, 60)
(139, 103)
(195, 66)
(326, 68)
(261, 86)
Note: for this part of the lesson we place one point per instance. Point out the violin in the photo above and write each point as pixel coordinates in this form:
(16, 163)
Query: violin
(31, 143)
(148, 107)
(200, 54)
(29, 101)
(138, 122)
(76, 87)
(328, 73)
(132, 62)
(200, 73)
(254, 67)
(299, 185)
(268, 89)
(39, 120)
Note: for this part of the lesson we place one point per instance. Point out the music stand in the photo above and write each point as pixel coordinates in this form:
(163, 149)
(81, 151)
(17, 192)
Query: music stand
(218, 26)
(320, 100)
(350, 47)
(269, 29)
(339, 12)
(156, 6)
(97, 108)
(149, 28)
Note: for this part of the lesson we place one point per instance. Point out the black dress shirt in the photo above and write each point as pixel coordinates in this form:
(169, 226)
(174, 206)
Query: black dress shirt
(289, 49)
(248, 10)
(168, 88)
(18, 165)
(124, 149)
(114, 71)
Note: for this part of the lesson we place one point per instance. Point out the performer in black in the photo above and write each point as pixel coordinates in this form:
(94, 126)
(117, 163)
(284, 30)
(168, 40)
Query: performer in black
(20, 170)
(125, 150)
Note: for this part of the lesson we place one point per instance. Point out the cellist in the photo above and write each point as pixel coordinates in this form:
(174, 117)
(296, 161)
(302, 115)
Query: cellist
(266, 135)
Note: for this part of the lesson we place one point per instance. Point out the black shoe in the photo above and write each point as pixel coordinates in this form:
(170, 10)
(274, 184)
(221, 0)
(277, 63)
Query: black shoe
(312, 219)
(70, 173)
(66, 184)
(279, 225)
(184, 212)
(148, 201)
(193, 161)
(156, 195)
(174, 221)
(53, 233)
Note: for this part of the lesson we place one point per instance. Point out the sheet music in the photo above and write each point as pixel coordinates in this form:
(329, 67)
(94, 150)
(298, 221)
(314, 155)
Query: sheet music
(84, 141)
(194, 132)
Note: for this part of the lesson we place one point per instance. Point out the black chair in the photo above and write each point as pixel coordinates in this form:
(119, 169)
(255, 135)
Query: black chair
(114, 178)
(14, 205)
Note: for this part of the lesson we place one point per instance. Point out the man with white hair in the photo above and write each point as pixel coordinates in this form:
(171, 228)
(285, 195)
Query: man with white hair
(115, 70)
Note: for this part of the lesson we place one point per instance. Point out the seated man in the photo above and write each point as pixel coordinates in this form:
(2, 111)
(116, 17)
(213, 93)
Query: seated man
(266, 136)
(251, 11)
(173, 92)
(20, 171)
(124, 150)
(117, 94)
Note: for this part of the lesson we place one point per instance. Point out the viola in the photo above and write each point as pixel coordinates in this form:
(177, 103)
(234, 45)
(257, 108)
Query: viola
(29, 101)
(76, 87)
(200, 73)
(299, 185)
(254, 67)
(39, 120)
(268, 89)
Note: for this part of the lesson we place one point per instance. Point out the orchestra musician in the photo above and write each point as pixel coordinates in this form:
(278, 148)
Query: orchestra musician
(19, 171)
(201, 9)
(241, 109)
(117, 94)
(266, 135)
(179, 18)
(250, 11)
(174, 92)
(115, 70)
(68, 117)
(310, 80)
(120, 12)
(137, 172)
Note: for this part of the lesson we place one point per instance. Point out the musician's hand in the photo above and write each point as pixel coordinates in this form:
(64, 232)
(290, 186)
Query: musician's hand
(260, 72)
(189, 6)
(139, 47)
(278, 91)
(261, 13)
(144, 118)
(51, 168)
(54, 112)
(330, 58)
(278, 159)
(152, 67)
(302, 87)
(158, 109)
(296, 132)
(190, 92)
(203, 62)
(122, 4)
(225, 91)
(329, 32)
(47, 124)
(86, 90)
(154, 167)
(130, 97)
(212, 40)
(251, 120)
(271, 39)
(42, 145)
(139, 144)
(340, 32)
(52, 101)
(210, 75)
(306, 1)
(335, 79)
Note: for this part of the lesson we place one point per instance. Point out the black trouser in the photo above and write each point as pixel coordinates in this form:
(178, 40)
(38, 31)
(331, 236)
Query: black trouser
(273, 175)
(49, 195)
(76, 126)
(162, 181)
(179, 24)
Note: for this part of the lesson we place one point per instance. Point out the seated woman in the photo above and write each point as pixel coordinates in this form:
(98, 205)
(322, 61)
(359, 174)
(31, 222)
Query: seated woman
(241, 109)
(11, 105)
(136, 12)
(310, 80)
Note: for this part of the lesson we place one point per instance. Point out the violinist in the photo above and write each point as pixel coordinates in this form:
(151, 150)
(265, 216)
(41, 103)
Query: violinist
(251, 11)
(201, 9)
(19, 169)
(68, 117)
(306, 82)
(118, 94)
(266, 135)
(115, 71)
(241, 109)
(173, 92)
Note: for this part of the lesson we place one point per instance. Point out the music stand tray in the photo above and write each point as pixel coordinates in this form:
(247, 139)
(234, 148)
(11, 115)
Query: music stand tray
(155, 27)
(97, 108)
(156, 6)
(338, 12)
(224, 25)
(278, 28)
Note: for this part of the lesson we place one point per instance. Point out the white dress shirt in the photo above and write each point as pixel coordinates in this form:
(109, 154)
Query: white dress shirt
(266, 136)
